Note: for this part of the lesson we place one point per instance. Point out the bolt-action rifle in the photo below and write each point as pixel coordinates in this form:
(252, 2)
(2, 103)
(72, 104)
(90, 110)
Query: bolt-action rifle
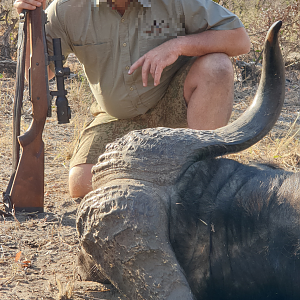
(25, 190)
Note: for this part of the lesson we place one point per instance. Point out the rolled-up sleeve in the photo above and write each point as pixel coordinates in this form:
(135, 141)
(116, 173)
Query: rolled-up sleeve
(201, 15)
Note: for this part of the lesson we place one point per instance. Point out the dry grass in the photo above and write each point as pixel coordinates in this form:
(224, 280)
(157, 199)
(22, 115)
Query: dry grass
(281, 152)
(259, 15)
(281, 146)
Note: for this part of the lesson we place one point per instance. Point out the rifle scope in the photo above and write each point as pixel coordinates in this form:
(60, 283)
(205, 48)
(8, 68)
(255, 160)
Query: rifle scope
(63, 109)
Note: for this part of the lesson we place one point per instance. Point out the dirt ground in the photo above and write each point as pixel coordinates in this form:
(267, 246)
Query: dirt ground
(47, 241)
(38, 251)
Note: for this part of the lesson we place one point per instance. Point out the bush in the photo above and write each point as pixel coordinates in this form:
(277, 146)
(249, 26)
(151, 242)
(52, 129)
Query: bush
(259, 15)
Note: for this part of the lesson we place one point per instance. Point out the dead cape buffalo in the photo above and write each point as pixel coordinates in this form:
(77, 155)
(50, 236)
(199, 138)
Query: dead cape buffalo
(168, 219)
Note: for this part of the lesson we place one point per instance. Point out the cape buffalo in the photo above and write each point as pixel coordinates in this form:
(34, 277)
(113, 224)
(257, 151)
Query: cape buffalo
(168, 219)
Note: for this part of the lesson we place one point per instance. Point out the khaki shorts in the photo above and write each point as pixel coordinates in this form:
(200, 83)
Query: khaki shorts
(170, 111)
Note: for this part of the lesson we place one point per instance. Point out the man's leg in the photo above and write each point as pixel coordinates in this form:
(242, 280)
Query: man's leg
(208, 91)
(80, 180)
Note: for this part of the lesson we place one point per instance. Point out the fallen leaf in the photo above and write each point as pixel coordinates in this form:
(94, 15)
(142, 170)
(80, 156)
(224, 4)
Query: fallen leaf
(18, 256)
(26, 264)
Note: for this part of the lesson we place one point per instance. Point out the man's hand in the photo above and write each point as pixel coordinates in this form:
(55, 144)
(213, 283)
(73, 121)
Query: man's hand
(28, 4)
(156, 60)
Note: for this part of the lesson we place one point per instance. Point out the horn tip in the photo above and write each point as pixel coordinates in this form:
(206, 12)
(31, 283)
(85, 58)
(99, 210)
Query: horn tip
(273, 31)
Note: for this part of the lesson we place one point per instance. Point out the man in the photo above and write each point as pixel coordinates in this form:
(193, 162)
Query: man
(149, 64)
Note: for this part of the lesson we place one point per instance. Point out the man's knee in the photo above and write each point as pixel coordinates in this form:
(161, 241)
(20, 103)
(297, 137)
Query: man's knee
(80, 180)
(215, 66)
(208, 91)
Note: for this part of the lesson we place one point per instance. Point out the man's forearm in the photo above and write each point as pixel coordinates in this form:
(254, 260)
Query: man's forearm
(231, 42)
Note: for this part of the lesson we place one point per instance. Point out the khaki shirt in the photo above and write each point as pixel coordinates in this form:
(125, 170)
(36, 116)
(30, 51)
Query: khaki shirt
(107, 44)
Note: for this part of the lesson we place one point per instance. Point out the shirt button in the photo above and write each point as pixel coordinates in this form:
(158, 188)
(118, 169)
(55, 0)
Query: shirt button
(122, 20)
(131, 88)
(124, 44)
(127, 68)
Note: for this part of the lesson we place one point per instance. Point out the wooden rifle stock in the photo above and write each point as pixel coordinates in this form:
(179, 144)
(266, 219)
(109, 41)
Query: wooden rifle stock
(27, 191)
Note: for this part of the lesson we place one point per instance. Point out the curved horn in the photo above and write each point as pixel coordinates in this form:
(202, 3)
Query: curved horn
(264, 111)
(161, 154)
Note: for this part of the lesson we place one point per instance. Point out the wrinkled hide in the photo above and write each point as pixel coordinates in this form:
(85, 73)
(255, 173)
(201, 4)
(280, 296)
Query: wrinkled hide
(235, 231)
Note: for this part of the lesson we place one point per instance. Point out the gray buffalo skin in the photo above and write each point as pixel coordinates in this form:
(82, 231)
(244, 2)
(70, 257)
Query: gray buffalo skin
(168, 219)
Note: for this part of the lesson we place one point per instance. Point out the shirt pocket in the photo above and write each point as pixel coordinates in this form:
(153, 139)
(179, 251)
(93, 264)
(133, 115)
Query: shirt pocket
(97, 61)
(148, 43)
